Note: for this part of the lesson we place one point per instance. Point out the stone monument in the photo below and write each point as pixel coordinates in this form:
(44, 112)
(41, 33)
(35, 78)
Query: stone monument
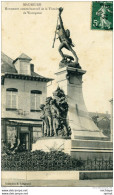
(87, 140)
(67, 125)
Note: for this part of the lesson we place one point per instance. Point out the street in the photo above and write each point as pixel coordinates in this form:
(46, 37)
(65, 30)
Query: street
(59, 183)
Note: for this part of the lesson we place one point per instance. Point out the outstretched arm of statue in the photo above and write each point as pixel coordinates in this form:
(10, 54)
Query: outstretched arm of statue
(60, 18)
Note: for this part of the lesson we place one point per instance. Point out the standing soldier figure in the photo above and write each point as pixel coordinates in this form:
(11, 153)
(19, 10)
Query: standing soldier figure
(55, 116)
(43, 117)
(48, 117)
(64, 37)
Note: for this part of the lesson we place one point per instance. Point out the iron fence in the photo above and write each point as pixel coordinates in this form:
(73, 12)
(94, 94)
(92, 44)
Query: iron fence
(42, 161)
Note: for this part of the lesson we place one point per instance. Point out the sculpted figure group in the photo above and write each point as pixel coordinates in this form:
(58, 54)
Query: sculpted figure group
(54, 115)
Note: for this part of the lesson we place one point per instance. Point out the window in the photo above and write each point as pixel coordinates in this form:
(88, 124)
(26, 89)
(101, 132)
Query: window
(11, 98)
(35, 100)
(11, 135)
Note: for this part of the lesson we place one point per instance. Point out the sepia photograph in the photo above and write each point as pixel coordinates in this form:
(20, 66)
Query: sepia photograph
(57, 94)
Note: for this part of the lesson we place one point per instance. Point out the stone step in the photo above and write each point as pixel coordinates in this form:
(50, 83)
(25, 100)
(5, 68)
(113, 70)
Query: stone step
(56, 175)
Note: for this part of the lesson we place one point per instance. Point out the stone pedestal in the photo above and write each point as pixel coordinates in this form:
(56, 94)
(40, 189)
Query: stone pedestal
(82, 126)
(87, 141)
(48, 144)
(91, 149)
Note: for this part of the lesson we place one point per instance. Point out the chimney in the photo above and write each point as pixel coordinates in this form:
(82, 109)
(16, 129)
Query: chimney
(32, 67)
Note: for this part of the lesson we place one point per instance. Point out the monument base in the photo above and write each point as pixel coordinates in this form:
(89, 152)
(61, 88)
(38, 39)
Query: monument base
(79, 149)
(49, 144)
(91, 149)
(89, 135)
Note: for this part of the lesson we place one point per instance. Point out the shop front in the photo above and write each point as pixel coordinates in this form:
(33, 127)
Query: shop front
(20, 135)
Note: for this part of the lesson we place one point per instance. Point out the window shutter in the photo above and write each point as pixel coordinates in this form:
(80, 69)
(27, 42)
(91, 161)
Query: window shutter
(32, 101)
(8, 99)
(13, 100)
(37, 101)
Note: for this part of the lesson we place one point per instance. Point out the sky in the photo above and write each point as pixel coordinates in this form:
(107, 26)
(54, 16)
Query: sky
(32, 33)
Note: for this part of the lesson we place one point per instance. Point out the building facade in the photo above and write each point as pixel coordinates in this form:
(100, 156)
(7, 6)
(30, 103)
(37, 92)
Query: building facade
(23, 91)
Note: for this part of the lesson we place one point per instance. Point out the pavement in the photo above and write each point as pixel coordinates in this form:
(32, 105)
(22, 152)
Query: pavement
(59, 183)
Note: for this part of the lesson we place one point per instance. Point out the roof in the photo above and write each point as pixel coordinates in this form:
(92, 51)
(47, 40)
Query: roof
(7, 65)
(23, 57)
(24, 77)
(8, 70)
(34, 74)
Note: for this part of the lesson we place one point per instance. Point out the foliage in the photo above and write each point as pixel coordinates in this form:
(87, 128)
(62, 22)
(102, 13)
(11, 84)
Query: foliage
(40, 161)
(50, 161)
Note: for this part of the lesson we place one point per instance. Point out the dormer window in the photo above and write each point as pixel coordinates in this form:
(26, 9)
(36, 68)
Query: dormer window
(22, 64)
(11, 98)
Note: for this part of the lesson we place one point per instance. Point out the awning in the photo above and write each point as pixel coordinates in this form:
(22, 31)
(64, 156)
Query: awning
(27, 122)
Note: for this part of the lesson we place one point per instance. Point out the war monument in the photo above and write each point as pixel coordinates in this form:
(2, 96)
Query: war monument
(67, 125)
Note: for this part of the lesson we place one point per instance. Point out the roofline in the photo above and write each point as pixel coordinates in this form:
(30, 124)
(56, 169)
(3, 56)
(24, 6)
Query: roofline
(2, 53)
(21, 59)
(24, 77)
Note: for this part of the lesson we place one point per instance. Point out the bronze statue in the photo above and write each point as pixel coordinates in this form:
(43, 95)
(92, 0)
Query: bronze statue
(54, 115)
(44, 119)
(65, 42)
(48, 117)
(62, 105)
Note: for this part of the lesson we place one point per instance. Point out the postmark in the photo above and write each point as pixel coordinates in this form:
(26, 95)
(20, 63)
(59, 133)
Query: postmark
(102, 15)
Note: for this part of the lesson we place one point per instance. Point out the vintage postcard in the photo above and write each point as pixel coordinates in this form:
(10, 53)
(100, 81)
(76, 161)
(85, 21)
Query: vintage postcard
(56, 86)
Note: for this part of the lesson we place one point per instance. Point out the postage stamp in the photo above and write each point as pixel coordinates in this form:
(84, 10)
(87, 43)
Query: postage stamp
(102, 15)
